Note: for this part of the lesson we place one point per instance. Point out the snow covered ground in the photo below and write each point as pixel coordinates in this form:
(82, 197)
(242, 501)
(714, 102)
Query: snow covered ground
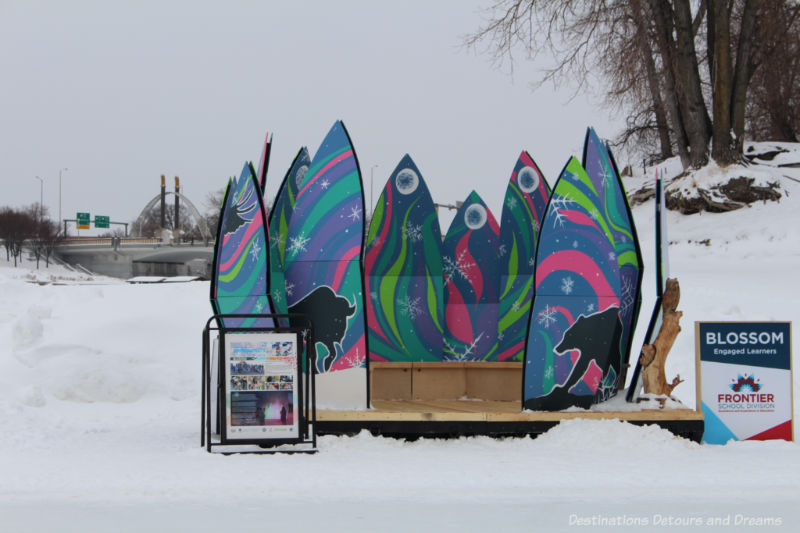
(99, 398)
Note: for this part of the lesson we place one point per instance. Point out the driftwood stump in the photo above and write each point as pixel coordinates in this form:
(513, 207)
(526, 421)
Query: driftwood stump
(654, 355)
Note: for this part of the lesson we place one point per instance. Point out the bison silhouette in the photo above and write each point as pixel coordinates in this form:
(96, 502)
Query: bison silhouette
(329, 313)
(596, 337)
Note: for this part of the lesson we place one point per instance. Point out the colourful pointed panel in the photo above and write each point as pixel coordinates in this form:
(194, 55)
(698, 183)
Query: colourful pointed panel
(263, 164)
(573, 348)
(403, 269)
(523, 211)
(322, 261)
(283, 208)
(226, 198)
(601, 168)
(279, 226)
(239, 284)
(471, 271)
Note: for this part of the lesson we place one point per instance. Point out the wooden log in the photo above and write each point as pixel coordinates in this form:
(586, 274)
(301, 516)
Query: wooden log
(654, 355)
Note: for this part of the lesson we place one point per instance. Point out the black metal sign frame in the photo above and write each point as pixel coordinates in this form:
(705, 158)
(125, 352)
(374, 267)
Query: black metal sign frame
(306, 386)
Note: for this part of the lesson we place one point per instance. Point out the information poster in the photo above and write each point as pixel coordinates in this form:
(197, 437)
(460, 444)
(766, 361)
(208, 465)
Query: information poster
(745, 380)
(261, 382)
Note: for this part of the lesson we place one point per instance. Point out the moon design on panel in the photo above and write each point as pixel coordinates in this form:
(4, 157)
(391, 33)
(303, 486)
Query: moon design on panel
(407, 181)
(528, 179)
(475, 216)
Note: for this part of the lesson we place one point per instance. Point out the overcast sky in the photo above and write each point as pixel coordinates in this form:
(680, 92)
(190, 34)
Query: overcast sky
(122, 92)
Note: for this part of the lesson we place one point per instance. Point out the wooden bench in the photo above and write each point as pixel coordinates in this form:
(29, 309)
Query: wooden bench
(446, 381)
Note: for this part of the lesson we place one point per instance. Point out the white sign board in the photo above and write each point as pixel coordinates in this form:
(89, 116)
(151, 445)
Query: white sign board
(262, 384)
(745, 380)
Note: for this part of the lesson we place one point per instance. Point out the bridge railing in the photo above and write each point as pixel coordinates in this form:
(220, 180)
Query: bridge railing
(129, 241)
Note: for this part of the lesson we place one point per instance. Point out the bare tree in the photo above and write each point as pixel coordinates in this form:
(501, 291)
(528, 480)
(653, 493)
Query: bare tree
(647, 54)
(773, 111)
(16, 227)
(213, 205)
(47, 238)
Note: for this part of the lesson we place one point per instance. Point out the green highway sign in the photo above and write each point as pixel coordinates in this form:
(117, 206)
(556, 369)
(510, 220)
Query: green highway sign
(101, 221)
(83, 220)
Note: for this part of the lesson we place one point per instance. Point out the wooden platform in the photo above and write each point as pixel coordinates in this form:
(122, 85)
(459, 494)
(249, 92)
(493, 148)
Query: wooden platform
(412, 419)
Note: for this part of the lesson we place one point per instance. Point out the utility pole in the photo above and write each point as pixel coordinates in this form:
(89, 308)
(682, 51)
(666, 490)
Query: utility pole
(41, 195)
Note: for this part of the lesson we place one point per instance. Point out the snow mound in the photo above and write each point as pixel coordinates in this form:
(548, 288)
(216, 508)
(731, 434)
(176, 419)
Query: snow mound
(719, 189)
(763, 175)
(579, 435)
(27, 330)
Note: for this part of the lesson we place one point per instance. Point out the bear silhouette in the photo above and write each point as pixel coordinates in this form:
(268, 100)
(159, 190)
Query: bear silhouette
(329, 313)
(596, 337)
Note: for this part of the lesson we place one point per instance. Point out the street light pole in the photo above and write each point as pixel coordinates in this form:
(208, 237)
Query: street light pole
(41, 195)
(59, 194)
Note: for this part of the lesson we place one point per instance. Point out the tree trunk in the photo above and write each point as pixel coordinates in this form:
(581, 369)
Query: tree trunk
(741, 77)
(666, 46)
(721, 150)
(690, 94)
(652, 79)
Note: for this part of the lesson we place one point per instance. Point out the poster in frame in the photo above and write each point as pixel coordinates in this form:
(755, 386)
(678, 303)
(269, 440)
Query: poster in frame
(263, 388)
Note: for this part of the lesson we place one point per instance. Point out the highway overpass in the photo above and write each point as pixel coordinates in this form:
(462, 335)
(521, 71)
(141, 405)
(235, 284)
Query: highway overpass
(122, 257)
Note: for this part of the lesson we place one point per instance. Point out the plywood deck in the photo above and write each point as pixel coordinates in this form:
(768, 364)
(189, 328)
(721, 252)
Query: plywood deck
(489, 411)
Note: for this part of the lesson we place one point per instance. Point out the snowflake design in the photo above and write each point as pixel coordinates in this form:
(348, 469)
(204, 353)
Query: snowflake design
(410, 307)
(461, 356)
(275, 238)
(289, 288)
(259, 306)
(298, 244)
(255, 249)
(355, 360)
(567, 284)
(276, 296)
(501, 335)
(559, 203)
(412, 233)
(516, 306)
(536, 225)
(532, 262)
(590, 308)
(503, 250)
(355, 213)
(325, 184)
(511, 203)
(548, 374)
(607, 176)
(612, 256)
(627, 295)
(458, 267)
(594, 214)
(547, 317)
(574, 244)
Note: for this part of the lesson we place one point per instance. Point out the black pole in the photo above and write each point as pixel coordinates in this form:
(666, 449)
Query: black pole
(163, 202)
(177, 203)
